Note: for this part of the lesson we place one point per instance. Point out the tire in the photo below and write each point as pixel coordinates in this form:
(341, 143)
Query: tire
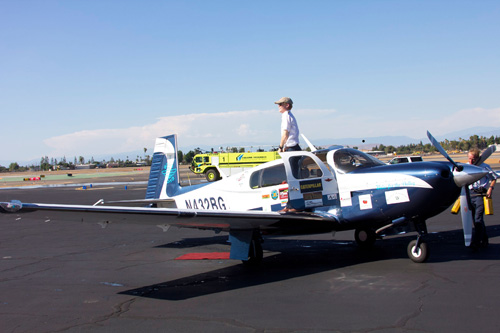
(365, 238)
(212, 175)
(421, 254)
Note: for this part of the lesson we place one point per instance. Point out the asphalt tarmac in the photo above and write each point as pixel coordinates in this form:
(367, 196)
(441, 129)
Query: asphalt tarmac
(79, 277)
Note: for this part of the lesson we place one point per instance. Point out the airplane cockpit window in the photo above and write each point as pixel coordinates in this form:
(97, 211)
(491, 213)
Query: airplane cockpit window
(304, 167)
(271, 176)
(347, 160)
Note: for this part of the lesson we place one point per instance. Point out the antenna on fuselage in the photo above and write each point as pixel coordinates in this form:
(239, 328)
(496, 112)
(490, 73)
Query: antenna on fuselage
(309, 144)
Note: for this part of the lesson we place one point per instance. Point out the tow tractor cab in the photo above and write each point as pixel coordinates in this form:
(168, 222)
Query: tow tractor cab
(308, 180)
(216, 165)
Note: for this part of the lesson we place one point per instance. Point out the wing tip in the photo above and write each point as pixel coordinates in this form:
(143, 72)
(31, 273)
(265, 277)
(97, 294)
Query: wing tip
(11, 207)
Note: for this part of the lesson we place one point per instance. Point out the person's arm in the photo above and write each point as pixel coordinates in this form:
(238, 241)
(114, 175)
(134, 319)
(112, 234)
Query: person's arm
(490, 189)
(284, 137)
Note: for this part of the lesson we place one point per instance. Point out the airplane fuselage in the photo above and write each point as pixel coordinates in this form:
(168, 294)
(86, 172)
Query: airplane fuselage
(364, 197)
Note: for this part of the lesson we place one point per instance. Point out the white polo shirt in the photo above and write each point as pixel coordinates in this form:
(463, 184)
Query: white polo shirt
(289, 123)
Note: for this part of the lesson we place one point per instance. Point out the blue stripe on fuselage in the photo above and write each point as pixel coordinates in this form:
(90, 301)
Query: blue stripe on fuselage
(442, 194)
(437, 174)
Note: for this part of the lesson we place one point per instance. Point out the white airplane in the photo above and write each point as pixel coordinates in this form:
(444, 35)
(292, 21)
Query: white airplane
(304, 192)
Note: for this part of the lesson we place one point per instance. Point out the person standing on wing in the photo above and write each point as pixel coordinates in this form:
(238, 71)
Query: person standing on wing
(289, 128)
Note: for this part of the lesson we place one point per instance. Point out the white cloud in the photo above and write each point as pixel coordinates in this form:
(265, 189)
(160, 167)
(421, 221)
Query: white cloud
(472, 118)
(192, 129)
(226, 128)
(244, 130)
(347, 125)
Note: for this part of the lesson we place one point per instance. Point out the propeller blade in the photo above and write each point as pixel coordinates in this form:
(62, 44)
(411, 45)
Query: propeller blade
(443, 152)
(466, 215)
(486, 153)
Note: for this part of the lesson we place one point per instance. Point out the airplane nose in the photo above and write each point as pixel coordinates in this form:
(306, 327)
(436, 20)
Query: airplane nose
(468, 175)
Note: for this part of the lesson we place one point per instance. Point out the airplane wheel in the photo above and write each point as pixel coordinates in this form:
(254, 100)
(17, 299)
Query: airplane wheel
(212, 175)
(256, 253)
(419, 254)
(364, 237)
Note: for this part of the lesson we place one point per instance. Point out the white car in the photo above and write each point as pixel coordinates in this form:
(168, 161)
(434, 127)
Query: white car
(405, 159)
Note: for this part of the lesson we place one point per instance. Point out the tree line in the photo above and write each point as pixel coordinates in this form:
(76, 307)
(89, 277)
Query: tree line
(47, 163)
(452, 146)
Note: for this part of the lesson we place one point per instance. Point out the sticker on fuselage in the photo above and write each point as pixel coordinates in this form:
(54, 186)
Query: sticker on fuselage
(284, 194)
(332, 196)
(365, 202)
(397, 196)
(274, 194)
(313, 199)
(345, 199)
(311, 186)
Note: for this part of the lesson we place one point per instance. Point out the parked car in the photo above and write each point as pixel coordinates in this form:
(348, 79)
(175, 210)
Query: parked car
(405, 159)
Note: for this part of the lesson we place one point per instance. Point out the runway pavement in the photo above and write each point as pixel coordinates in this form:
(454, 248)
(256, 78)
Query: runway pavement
(88, 177)
(78, 277)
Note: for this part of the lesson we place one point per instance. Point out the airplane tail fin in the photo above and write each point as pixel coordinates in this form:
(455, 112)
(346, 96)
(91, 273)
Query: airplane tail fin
(163, 180)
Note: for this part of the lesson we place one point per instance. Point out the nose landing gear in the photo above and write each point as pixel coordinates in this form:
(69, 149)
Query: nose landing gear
(418, 250)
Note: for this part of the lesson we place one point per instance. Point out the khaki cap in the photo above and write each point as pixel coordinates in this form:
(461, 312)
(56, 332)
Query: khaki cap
(287, 100)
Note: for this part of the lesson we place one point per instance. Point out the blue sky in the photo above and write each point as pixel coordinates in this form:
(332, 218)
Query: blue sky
(104, 77)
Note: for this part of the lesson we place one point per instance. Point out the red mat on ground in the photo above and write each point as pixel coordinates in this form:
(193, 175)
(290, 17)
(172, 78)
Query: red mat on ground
(202, 256)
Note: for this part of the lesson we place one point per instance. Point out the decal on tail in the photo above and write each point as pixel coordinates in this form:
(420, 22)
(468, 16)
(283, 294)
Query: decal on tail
(163, 180)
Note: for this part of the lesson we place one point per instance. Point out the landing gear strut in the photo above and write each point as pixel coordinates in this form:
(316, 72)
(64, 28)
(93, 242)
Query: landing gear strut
(255, 254)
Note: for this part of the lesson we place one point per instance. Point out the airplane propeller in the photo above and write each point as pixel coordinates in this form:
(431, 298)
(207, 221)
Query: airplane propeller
(466, 215)
(463, 178)
(443, 152)
(486, 153)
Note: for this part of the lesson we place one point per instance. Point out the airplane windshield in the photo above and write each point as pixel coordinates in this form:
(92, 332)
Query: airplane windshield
(347, 160)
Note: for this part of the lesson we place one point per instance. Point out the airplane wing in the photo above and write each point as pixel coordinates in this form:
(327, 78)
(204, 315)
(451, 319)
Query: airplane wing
(162, 203)
(187, 218)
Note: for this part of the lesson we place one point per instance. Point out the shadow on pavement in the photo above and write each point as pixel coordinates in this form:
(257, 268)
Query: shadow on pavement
(297, 258)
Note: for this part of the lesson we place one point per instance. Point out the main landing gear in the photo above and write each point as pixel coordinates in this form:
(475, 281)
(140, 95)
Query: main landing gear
(256, 253)
(418, 250)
